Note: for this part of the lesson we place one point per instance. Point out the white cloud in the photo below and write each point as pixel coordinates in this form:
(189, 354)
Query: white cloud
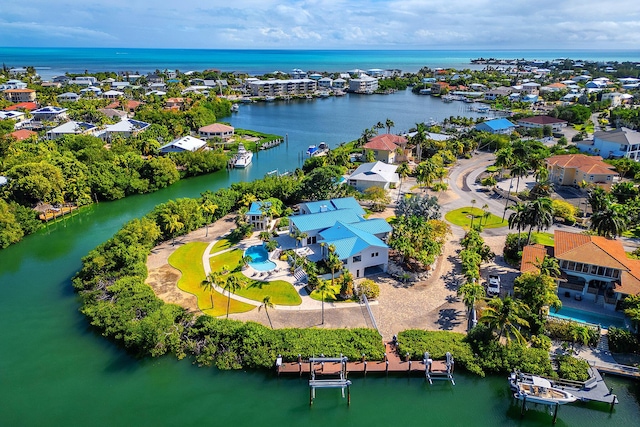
(337, 24)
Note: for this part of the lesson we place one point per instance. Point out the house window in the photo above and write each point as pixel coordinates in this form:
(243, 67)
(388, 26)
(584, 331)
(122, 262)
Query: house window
(594, 269)
(608, 177)
(572, 265)
(585, 268)
(616, 274)
(600, 271)
(374, 254)
(578, 266)
(590, 177)
(357, 258)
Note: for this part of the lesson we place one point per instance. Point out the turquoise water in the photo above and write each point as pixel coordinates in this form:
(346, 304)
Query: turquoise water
(54, 61)
(259, 258)
(583, 316)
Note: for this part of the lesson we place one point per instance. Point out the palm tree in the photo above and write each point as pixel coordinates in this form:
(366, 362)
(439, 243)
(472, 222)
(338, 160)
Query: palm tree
(246, 259)
(548, 266)
(208, 208)
(504, 158)
(471, 292)
(505, 316)
(210, 282)
(579, 334)
(324, 288)
(609, 222)
(520, 169)
(539, 214)
(389, 124)
(232, 284)
(267, 304)
(333, 262)
(485, 214)
(473, 207)
(517, 219)
(378, 126)
(172, 224)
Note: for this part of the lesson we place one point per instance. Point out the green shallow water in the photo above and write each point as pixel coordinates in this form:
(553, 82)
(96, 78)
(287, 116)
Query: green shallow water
(55, 371)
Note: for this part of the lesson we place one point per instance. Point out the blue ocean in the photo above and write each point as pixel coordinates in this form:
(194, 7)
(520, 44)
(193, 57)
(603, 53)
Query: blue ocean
(54, 61)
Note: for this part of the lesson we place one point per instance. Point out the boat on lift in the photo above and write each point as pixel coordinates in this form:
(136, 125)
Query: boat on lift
(538, 390)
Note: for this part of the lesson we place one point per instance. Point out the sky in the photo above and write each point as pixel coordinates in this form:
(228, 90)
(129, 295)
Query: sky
(322, 24)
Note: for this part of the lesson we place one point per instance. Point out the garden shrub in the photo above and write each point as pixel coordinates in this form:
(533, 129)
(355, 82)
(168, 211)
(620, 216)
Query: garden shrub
(623, 341)
(571, 368)
(369, 288)
(562, 330)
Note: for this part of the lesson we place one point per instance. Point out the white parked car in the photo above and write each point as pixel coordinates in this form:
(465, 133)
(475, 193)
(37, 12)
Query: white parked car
(493, 286)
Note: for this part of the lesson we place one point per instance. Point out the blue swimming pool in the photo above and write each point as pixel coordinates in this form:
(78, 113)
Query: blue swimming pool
(259, 258)
(577, 315)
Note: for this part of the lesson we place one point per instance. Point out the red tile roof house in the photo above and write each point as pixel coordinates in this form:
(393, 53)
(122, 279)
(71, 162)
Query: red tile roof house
(22, 134)
(216, 130)
(130, 107)
(572, 169)
(387, 148)
(596, 269)
(541, 121)
(27, 106)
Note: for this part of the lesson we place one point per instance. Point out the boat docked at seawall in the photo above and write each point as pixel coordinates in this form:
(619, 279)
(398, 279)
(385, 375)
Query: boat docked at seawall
(535, 389)
(318, 150)
(243, 158)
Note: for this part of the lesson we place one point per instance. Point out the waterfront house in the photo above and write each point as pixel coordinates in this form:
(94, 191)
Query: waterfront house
(386, 147)
(71, 128)
(325, 83)
(572, 169)
(377, 174)
(216, 130)
(339, 83)
(281, 87)
(257, 217)
(496, 126)
(13, 84)
(594, 268)
(61, 79)
(185, 143)
(541, 121)
(340, 223)
(154, 78)
(83, 81)
(363, 84)
(615, 143)
(20, 95)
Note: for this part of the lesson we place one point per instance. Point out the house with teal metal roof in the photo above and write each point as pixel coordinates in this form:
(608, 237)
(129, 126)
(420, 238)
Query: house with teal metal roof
(360, 243)
(256, 216)
(500, 126)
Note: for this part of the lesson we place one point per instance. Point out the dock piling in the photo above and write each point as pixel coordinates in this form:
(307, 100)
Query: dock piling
(555, 413)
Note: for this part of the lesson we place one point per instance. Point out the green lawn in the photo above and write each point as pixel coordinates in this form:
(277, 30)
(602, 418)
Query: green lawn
(541, 238)
(188, 259)
(462, 217)
(231, 259)
(280, 291)
(327, 296)
(586, 127)
(221, 245)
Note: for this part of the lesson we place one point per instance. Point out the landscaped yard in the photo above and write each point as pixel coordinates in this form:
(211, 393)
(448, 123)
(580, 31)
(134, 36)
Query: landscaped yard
(280, 291)
(188, 259)
(462, 217)
(231, 259)
(542, 238)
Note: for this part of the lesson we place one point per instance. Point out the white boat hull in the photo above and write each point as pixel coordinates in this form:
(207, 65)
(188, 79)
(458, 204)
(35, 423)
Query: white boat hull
(539, 390)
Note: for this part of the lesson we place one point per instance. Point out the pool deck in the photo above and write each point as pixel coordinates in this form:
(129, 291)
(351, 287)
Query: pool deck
(281, 272)
(591, 308)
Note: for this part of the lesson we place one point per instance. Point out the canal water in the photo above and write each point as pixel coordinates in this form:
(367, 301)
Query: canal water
(54, 370)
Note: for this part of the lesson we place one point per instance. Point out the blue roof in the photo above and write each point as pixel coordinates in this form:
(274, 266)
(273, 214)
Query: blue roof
(254, 209)
(373, 226)
(334, 204)
(349, 240)
(316, 221)
(497, 124)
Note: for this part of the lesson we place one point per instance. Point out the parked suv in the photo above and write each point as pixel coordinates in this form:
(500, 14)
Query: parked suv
(493, 286)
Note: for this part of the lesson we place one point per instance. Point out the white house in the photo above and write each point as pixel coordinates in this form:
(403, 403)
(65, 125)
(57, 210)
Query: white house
(125, 127)
(615, 143)
(68, 97)
(377, 174)
(112, 94)
(185, 143)
(216, 130)
(340, 223)
(49, 114)
(71, 128)
(363, 84)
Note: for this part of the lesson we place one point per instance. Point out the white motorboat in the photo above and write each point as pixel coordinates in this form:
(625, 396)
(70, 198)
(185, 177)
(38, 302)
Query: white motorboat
(235, 108)
(269, 98)
(538, 390)
(243, 158)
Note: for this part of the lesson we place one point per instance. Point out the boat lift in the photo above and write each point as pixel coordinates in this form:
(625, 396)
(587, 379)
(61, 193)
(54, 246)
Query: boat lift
(316, 366)
(439, 370)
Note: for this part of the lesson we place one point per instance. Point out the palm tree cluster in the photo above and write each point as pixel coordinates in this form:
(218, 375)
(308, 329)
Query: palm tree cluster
(613, 212)
(536, 214)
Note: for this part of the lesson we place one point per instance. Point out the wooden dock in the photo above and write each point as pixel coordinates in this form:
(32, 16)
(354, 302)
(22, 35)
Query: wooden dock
(392, 364)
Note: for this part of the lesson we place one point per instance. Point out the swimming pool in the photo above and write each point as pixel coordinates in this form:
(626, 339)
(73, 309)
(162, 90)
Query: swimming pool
(582, 316)
(259, 258)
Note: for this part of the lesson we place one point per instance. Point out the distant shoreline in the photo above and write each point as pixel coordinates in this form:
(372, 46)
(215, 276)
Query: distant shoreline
(54, 61)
